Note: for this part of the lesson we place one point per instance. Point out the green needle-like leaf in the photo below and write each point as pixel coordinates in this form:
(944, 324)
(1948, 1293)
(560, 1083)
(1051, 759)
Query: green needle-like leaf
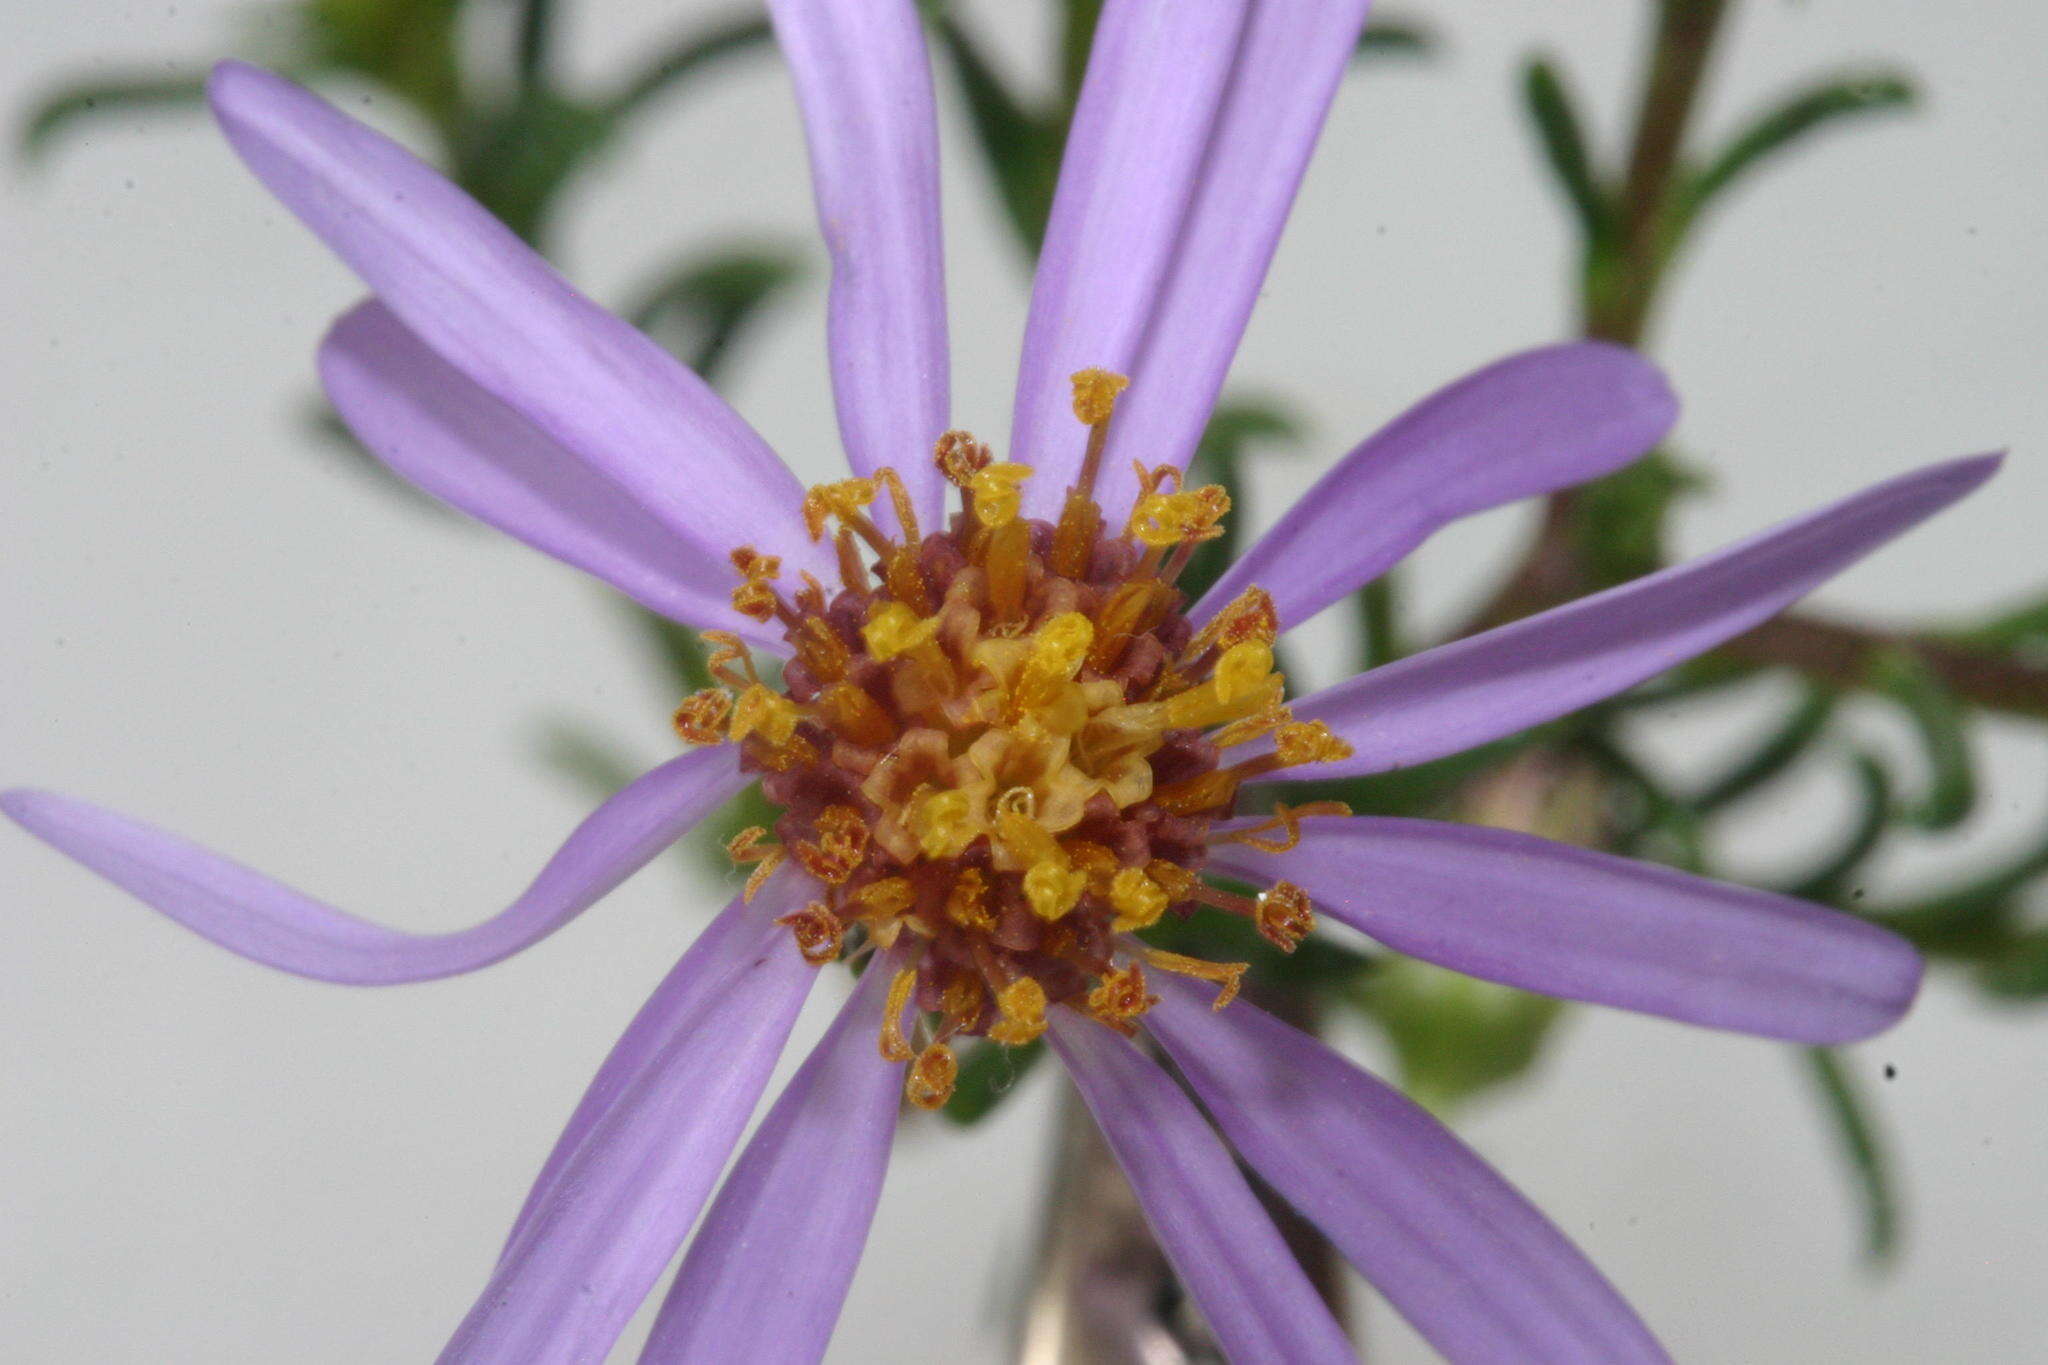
(696, 52)
(75, 105)
(1555, 116)
(1021, 144)
(702, 308)
(1827, 881)
(1788, 123)
(1235, 427)
(1393, 37)
(1938, 721)
(1778, 751)
(1857, 1139)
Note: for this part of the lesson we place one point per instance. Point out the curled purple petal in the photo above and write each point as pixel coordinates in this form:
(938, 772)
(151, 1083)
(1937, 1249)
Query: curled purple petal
(1570, 922)
(1529, 424)
(434, 428)
(766, 1275)
(1156, 76)
(865, 88)
(1210, 1224)
(1287, 69)
(1470, 1263)
(492, 308)
(265, 921)
(1451, 698)
(616, 1207)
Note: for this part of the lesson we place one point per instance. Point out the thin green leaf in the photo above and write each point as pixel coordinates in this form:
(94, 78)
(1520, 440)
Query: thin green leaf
(536, 35)
(1553, 112)
(1381, 639)
(699, 51)
(1856, 1137)
(1778, 751)
(1828, 881)
(1622, 517)
(1938, 722)
(2021, 630)
(1392, 37)
(596, 765)
(1020, 143)
(988, 1075)
(1963, 918)
(407, 46)
(701, 309)
(2019, 969)
(1786, 124)
(517, 163)
(1455, 1036)
(76, 105)
(1077, 39)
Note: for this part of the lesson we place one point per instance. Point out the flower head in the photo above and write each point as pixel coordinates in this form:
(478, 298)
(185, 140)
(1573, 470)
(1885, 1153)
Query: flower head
(1003, 742)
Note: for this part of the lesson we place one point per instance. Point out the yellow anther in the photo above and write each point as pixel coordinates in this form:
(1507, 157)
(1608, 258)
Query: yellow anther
(930, 1083)
(895, 629)
(1053, 888)
(1121, 997)
(818, 933)
(1242, 668)
(888, 897)
(945, 823)
(701, 717)
(755, 599)
(998, 493)
(967, 902)
(1138, 900)
(1022, 1003)
(1095, 394)
(840, 842)
(1249, 616)
(1023, 837)
(1228, 976)
(1175, 880)
(844, 499)
(752, 564)
(960, 457)
(895, 1047)
(1284, 915)
(1288, 820)
(1163, 520)
(1308, 742)
(759, 711)
(1251, 727)
(1062, 643)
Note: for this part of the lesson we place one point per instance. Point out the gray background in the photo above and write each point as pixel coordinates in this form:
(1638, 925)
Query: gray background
(212, 624)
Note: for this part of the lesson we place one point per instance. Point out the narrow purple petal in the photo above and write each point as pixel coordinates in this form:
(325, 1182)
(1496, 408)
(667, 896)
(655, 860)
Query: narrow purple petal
(248, 913)
(1210, 1224)
(1470, 1263)
(1569, 922)
(434, 428)
(492, 308)
(1293, 55)
(1534, 422)
(616, 1208)
(865, 88)
(1451, 698)
(766, 1275)
(1156, 77)
(718, 952)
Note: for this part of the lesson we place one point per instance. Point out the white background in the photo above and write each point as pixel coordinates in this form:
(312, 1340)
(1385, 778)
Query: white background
(215, 624)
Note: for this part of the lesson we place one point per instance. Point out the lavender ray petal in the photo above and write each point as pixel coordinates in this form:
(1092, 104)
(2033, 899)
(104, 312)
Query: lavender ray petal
(713, 956)
(267, 922)
(767, 1273)
(434, 428)
(1529, 424)
(1210, 1224)
(1570, 922)
(1472, 1265)
(864, 84)
(615, 1209)
(1451, 698)
(1156, 77)
(492, 308)
(1287, 70)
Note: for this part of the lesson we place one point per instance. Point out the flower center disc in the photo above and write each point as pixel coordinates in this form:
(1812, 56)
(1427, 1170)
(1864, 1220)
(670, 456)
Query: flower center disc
(1006, 739)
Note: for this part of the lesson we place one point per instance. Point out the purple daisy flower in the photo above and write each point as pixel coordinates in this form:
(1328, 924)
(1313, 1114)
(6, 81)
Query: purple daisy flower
(1002, 741)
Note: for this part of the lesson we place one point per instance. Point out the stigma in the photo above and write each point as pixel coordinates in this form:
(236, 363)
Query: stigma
(1001, 744)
